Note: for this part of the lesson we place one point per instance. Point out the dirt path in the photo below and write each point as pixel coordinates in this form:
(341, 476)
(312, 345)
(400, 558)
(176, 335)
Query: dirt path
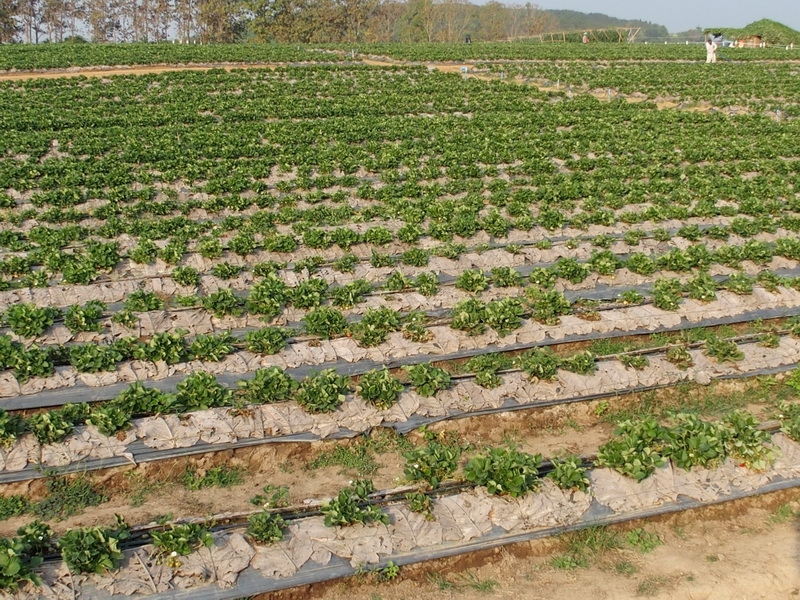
(744, 550)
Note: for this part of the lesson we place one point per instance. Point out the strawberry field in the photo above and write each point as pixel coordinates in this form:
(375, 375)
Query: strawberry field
(350, 295)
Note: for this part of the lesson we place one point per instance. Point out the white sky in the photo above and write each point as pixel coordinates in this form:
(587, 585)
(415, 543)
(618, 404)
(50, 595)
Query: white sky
(680, 15)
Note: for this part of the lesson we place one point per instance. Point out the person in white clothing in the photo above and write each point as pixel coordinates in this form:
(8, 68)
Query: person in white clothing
(711, 51)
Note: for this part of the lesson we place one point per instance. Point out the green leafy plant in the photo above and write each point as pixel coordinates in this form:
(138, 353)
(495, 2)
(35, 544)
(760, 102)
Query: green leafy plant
(505, 277)
(213, 347)
(427, 284)
(50, 427)
(702, 288)
(472, 280)
(505, 471)
(636, 451)
(547, 306)
(91, 358)
(694, 442)
(723, 350)
(94, 549)
(375, 326)
(379, 388)
(110, 418)
(267, 340)
(167, 346)
(29, 320)
(679, 356)
(504, 316)
(420, 502)
(268, 296)
(416, 257)
(188, 276)
(265, 528)
(323, 392)
(747, 443)
(179, 540)
(667, 294)
(143, 301)
(569, 473)
(427, 379)
(634, 361)
(226, 270)
(273, 497)
(582, 363)
(345, 508)
(12, 426)
(268, 385)
(541, 363)
(32, 361)
(84, 318)
(199, 391)
(470, 316)
(349, 295)
(325, 322)
(434, 461)
(485, 368)
(223, 303)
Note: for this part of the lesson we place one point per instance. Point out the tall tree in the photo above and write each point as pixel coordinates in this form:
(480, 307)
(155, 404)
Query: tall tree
(8, 25)
(494, 21)
(31, 15)
(221, 20)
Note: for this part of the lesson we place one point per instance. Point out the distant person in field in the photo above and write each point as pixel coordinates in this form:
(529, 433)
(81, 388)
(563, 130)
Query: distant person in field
(711, 50)
(585, 38)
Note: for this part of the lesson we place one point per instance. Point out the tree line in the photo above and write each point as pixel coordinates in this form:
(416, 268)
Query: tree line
(300, 21)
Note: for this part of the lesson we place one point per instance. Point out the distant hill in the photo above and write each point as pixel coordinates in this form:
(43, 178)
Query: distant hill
(769, 31)
(571, 20)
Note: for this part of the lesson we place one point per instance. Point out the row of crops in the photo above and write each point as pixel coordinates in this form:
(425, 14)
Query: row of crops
(381, 523)
(194, 263)
(53, 56)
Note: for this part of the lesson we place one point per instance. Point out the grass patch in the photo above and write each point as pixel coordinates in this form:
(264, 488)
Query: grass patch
(473, 582)
(594, 541)
(440, 582)
(67, 497)
(606, 346)
(642, 540)
(569, 562)
(223, 477)
(140, 487)
(13, 506)
(626, 568)
(652, 586)
(783, 513)
(714, 400)
(359, 456)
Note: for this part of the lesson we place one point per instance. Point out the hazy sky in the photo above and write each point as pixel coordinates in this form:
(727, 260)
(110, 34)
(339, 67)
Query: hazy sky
(680, 15)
